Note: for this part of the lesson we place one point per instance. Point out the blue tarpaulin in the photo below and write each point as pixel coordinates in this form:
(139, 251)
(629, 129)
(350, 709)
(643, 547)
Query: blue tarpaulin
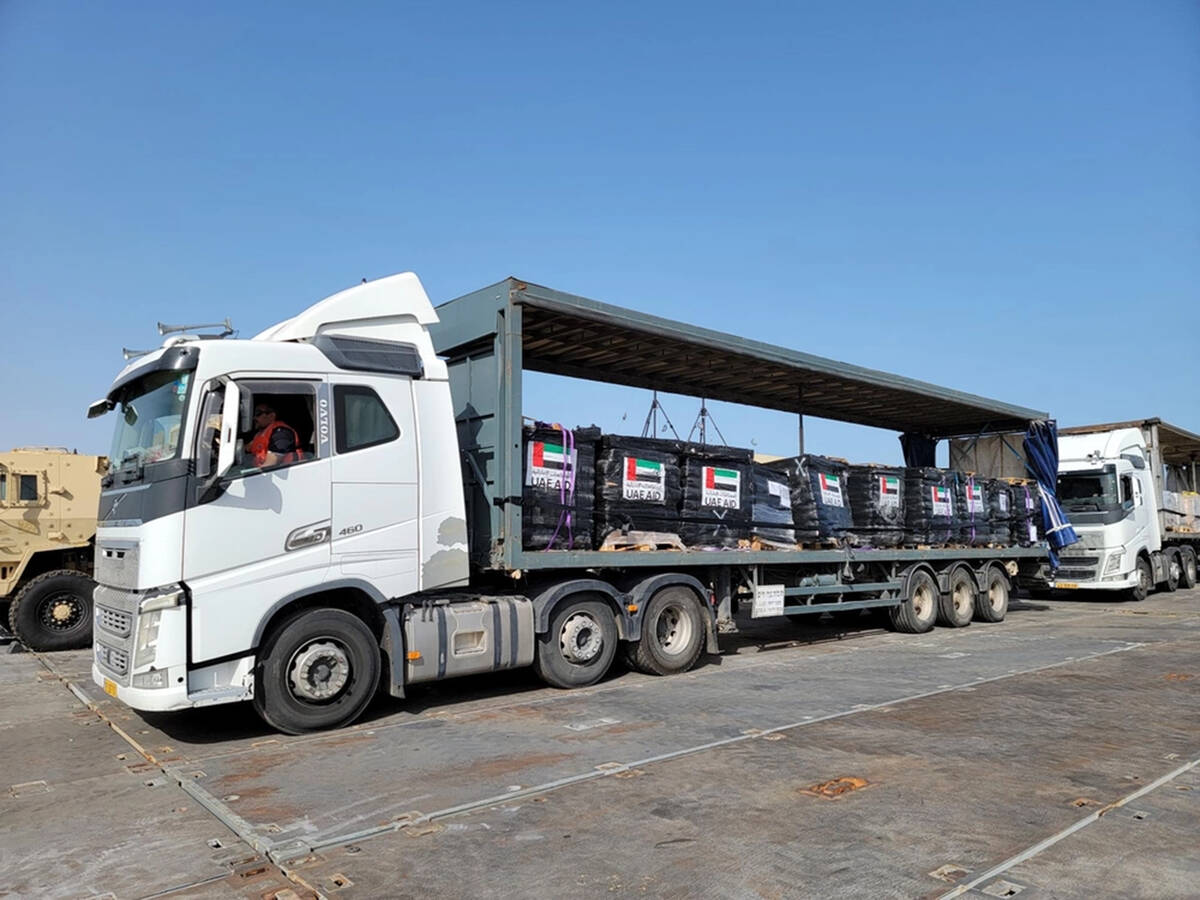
(1041, 449)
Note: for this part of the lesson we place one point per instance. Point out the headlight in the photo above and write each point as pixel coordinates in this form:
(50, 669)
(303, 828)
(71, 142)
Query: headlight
(1114, 562)
(147, 638)
(163, 598)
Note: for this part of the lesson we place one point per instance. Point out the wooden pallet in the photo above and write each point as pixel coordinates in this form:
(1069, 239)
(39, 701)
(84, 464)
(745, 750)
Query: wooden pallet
(618, 542)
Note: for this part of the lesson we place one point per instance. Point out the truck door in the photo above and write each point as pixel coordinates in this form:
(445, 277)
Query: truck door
(266, 535)
(375, 505)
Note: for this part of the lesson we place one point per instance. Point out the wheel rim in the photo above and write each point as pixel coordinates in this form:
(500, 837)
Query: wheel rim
(963, 602)
(580, 640)
(61, 612)
(997, 594)
(673, 630)
(922, 601)
(319, 670)
(1176, 570)
(1144, 579)
(1190, 567)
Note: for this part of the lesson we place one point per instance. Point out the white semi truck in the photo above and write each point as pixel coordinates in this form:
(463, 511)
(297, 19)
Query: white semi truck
(380, 542)
(1129, 489)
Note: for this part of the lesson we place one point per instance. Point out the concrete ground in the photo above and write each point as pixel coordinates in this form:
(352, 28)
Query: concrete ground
(1056, 754)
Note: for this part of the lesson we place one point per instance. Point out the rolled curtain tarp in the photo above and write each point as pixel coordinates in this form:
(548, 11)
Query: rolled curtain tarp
(1041, 449)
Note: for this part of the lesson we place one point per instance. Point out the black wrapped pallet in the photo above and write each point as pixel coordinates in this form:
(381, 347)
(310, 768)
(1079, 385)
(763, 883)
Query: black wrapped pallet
(1000, 509)
(1026, 514)
(771, 518)
(929, 506)
(715, 512)
(876, 496)
(637, 486)
(820, 507)
(557, 498)
(971, 509)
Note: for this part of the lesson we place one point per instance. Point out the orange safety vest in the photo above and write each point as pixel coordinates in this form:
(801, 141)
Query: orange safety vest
(260, 446)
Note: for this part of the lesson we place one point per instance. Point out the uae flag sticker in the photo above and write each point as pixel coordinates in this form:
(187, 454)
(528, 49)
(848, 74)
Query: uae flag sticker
(546, 464)
(974, 497)
(721, 488)
(941, 500)
(831, 489)
(644, 480)
(889, 490)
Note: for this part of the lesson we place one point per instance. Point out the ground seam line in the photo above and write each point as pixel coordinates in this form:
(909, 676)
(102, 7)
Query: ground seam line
(1037, 848)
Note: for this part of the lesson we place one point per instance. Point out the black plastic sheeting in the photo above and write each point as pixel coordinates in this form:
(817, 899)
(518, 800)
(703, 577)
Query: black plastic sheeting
(557, 497)
(717, 491)
(771, 518)
(876, 505)
(820, 505)
(971, 507)
(1000, 504)
(929, 506)
(637, 486)
(1026, 524)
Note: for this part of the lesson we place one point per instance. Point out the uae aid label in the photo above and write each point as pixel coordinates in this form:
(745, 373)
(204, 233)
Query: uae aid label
(941, 500)
(889, 491)
(721, 488)
(831, 489)
(974, 497)
(643, 479)
(545, 464)
(1003, 497)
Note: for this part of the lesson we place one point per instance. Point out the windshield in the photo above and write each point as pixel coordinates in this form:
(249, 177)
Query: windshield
(149, 418)
(1088, 491)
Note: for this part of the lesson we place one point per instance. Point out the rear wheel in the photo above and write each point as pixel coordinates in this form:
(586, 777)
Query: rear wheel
(916, 614)
(956, 607)
(579, 646)
(54, 611)
(672, 633)
(318, 670)
(1145, 581)
(1187, 559)
(992, 603)
(1174, 571)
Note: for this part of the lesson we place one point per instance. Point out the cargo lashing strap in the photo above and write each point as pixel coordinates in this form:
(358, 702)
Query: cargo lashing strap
(566, 491)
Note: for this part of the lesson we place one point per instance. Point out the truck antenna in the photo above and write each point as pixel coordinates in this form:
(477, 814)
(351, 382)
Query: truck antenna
(133, 354)
(226, 327)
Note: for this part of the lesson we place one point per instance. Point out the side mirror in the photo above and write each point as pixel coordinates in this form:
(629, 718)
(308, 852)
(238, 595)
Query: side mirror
(230, 421)
(99, 408)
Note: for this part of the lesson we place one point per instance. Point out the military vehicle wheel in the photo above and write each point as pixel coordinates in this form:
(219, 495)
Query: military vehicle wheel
(956, 607)
(917, 612)
(579, 645)
(992, 603)
(319, 669)
(1187, 557)
(672, 633)
(1174, 571)
(54, 611)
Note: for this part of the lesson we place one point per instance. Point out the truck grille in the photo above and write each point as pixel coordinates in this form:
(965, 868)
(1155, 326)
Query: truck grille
(112, 659)
(114, 621)
(1079, 569)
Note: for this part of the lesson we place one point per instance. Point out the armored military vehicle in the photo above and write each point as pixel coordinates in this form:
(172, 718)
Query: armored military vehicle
(48, 503)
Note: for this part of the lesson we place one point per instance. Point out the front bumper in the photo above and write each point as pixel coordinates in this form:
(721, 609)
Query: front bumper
(139, 655)
(147, 699)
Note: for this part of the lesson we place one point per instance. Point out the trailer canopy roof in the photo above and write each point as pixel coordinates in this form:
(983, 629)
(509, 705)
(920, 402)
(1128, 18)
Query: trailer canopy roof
(1178, 447)
(567, 335)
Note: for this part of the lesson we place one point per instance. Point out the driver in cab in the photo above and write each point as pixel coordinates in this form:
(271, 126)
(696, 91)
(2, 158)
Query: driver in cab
(274, 443)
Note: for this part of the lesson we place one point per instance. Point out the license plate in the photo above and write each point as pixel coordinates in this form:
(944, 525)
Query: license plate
(1066, 585)
(110, 687)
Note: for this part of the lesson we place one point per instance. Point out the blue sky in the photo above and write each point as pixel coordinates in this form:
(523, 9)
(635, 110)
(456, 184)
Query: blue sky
(951, 191)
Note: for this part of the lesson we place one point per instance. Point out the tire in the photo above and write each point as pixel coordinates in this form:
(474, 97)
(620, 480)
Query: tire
(673, 633)
(957, 606)
(992, 603)
(1145, 581)
(1187, 559)
(917, 613)
(1174, 571)
(54, 611)
(579, 646)
(318, 670)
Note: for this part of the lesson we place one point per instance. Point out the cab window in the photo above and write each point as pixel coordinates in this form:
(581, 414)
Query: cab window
(362, 419)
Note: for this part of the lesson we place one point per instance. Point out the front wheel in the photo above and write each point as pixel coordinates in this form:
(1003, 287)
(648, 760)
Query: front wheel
(54, 611)
(579, 646)
(1145, 581)
(318, 670)
(672, 633)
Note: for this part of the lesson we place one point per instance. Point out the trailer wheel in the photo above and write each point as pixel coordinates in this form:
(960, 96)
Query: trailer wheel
(318, 670)
(992, 603)
(1187, 558)
(53, 611)
(957, 606)
(1174, 571)
(672, 634)
(579, 646)
(917, 612)
(1145, 577)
